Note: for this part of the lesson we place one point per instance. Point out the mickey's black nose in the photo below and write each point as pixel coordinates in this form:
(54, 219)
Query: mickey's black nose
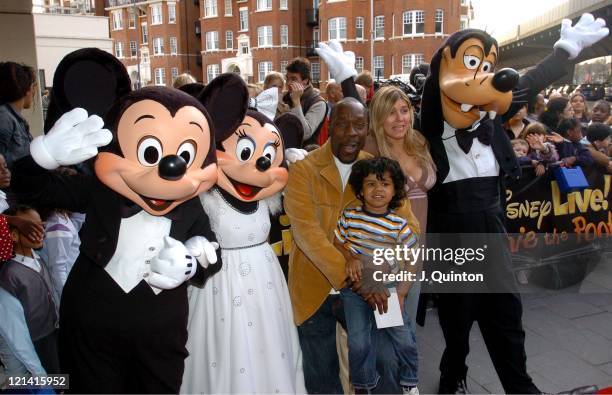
(505, 80)
(263, 163)
(172, 167)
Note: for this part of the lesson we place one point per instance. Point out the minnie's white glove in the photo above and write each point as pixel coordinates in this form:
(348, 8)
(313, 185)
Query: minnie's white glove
(341, 64)
(203, 250)
(73, 139)
(172, 266)
(585, 33)
(293, 155)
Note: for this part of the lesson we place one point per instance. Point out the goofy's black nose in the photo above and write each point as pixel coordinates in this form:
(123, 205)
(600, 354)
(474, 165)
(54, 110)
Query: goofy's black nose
(172, 167)
(263, 163)
(505, 80)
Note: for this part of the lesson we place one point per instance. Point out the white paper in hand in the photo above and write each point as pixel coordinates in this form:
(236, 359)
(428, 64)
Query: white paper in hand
(393, 316)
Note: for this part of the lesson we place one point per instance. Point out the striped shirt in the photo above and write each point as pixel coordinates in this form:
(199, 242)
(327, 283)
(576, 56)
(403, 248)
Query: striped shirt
(363, 232)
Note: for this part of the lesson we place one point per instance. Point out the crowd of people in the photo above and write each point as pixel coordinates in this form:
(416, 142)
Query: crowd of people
(364, 185)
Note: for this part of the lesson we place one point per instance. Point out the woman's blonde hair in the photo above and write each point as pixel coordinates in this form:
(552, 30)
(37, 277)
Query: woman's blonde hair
(271, 78)
(183, 79)
(381, 107)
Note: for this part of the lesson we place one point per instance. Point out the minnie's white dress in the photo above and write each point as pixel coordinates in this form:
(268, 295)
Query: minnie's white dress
(242, 338)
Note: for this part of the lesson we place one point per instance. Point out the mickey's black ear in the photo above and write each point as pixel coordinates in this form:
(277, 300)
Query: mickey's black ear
(226, 99)
(291, 129)
(194, 89)
(88, 78)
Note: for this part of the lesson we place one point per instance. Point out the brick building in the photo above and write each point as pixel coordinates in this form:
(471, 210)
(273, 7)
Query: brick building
(254, 37)
(156, 39)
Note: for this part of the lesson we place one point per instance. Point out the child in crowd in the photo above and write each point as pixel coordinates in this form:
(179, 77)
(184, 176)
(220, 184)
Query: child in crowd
(598, 135)
(521, 150)
(540, 152)
(601, 112)
(28, 280)
(379, 184)
(571, 151)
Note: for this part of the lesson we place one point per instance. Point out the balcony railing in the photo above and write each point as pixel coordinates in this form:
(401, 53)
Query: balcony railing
(310, 48)
(118, 3)
(312, 16)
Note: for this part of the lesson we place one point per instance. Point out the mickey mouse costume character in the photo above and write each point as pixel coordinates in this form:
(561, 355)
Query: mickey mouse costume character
(241, 333)
(124, 307)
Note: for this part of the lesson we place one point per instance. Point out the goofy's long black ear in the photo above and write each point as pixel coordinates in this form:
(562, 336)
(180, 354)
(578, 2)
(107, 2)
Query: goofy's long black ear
(226, 99)
(88, 78)
(291, 129)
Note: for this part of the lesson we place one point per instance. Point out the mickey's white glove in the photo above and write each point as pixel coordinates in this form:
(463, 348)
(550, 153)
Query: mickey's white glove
(172, 266)
(341, 64)
(585, 33)
(293, 155)
(203, 250)
(73, 139)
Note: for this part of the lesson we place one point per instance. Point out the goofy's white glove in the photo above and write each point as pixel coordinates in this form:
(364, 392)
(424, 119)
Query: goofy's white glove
(73, 139)
(586, 32)
(293, 155)
(203, 250)
(341, 64)
(172, 266)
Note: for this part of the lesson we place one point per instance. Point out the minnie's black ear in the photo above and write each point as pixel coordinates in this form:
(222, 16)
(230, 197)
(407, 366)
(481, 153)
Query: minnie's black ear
(88, 78)
(291, 129)
(226, 99)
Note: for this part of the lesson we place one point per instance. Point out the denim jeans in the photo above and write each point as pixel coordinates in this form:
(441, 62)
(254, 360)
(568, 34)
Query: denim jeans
(362, 339)
(318, 343)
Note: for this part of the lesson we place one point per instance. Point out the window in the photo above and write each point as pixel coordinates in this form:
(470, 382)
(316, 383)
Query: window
(439, 21)
(160, 76)
(414, 22)
(315, 35)
(464, 2)
(171, 13)
(229, 39)
(173, 49)
(133, 49)
(264, 5)
(212, 71)
(359, 28)
(144, 55)
(315, 69)
(379, 27)
(119, 50)
(117, 20)
(337, 28)
(264, 36)
(463, 23)
(212, 40)
(284, 35)
(244, 19)
(174, 72)
(359, 64)
(379, 67)
(158, 46)
(283, 68)
(265, 68)
(410, 61)
(145, 33)
(131, 18)
(228, 7)
(284, 5)
(210, 8)
(244, 48)
(156, 14)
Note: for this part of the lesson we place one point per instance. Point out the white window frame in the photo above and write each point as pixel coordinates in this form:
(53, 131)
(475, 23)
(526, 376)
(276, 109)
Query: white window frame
(284, 35)
(174, 73)
(379, 27)
(359, 63)
(117, 19)
(157, 14)
(229, 38)
(464, 20)
(379, 63)
(335, 29)
(212, 40)
(144, 28)
(212, 71)
(228, 8)
(119, 53)
(439, 18)
(158, 46)
(283, 66)
(171, 12)
(242, 45)
(283, 5)
(243, 16)
(264, 36)
(315, 71)
(264, 68)
(173, 46)
(264, 5)
(144, 56)
(133, 49)
(410, 61)
(131, 18)
(410, 18)
(359, 24)
(160, 76)
(210, 8)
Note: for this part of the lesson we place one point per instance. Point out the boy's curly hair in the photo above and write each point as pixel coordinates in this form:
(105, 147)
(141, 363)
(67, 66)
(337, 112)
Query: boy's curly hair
(379, 166)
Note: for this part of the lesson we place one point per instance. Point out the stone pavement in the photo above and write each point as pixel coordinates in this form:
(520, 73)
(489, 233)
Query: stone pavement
(568, 339)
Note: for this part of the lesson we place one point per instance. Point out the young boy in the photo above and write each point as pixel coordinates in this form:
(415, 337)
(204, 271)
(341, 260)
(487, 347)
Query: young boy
(26, 278)
(598, 135)
(379, 183)
(521, 150)
(571, 151)
(540, 152)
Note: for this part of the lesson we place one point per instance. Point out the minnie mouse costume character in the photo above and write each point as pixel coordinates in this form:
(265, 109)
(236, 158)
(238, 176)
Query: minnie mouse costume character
(241, 333)
(124, 307)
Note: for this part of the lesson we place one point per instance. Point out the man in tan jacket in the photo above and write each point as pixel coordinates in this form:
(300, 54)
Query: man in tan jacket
(314, 199)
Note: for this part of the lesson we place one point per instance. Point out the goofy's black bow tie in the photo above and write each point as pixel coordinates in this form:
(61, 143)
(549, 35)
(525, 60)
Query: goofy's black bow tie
(483, 132)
